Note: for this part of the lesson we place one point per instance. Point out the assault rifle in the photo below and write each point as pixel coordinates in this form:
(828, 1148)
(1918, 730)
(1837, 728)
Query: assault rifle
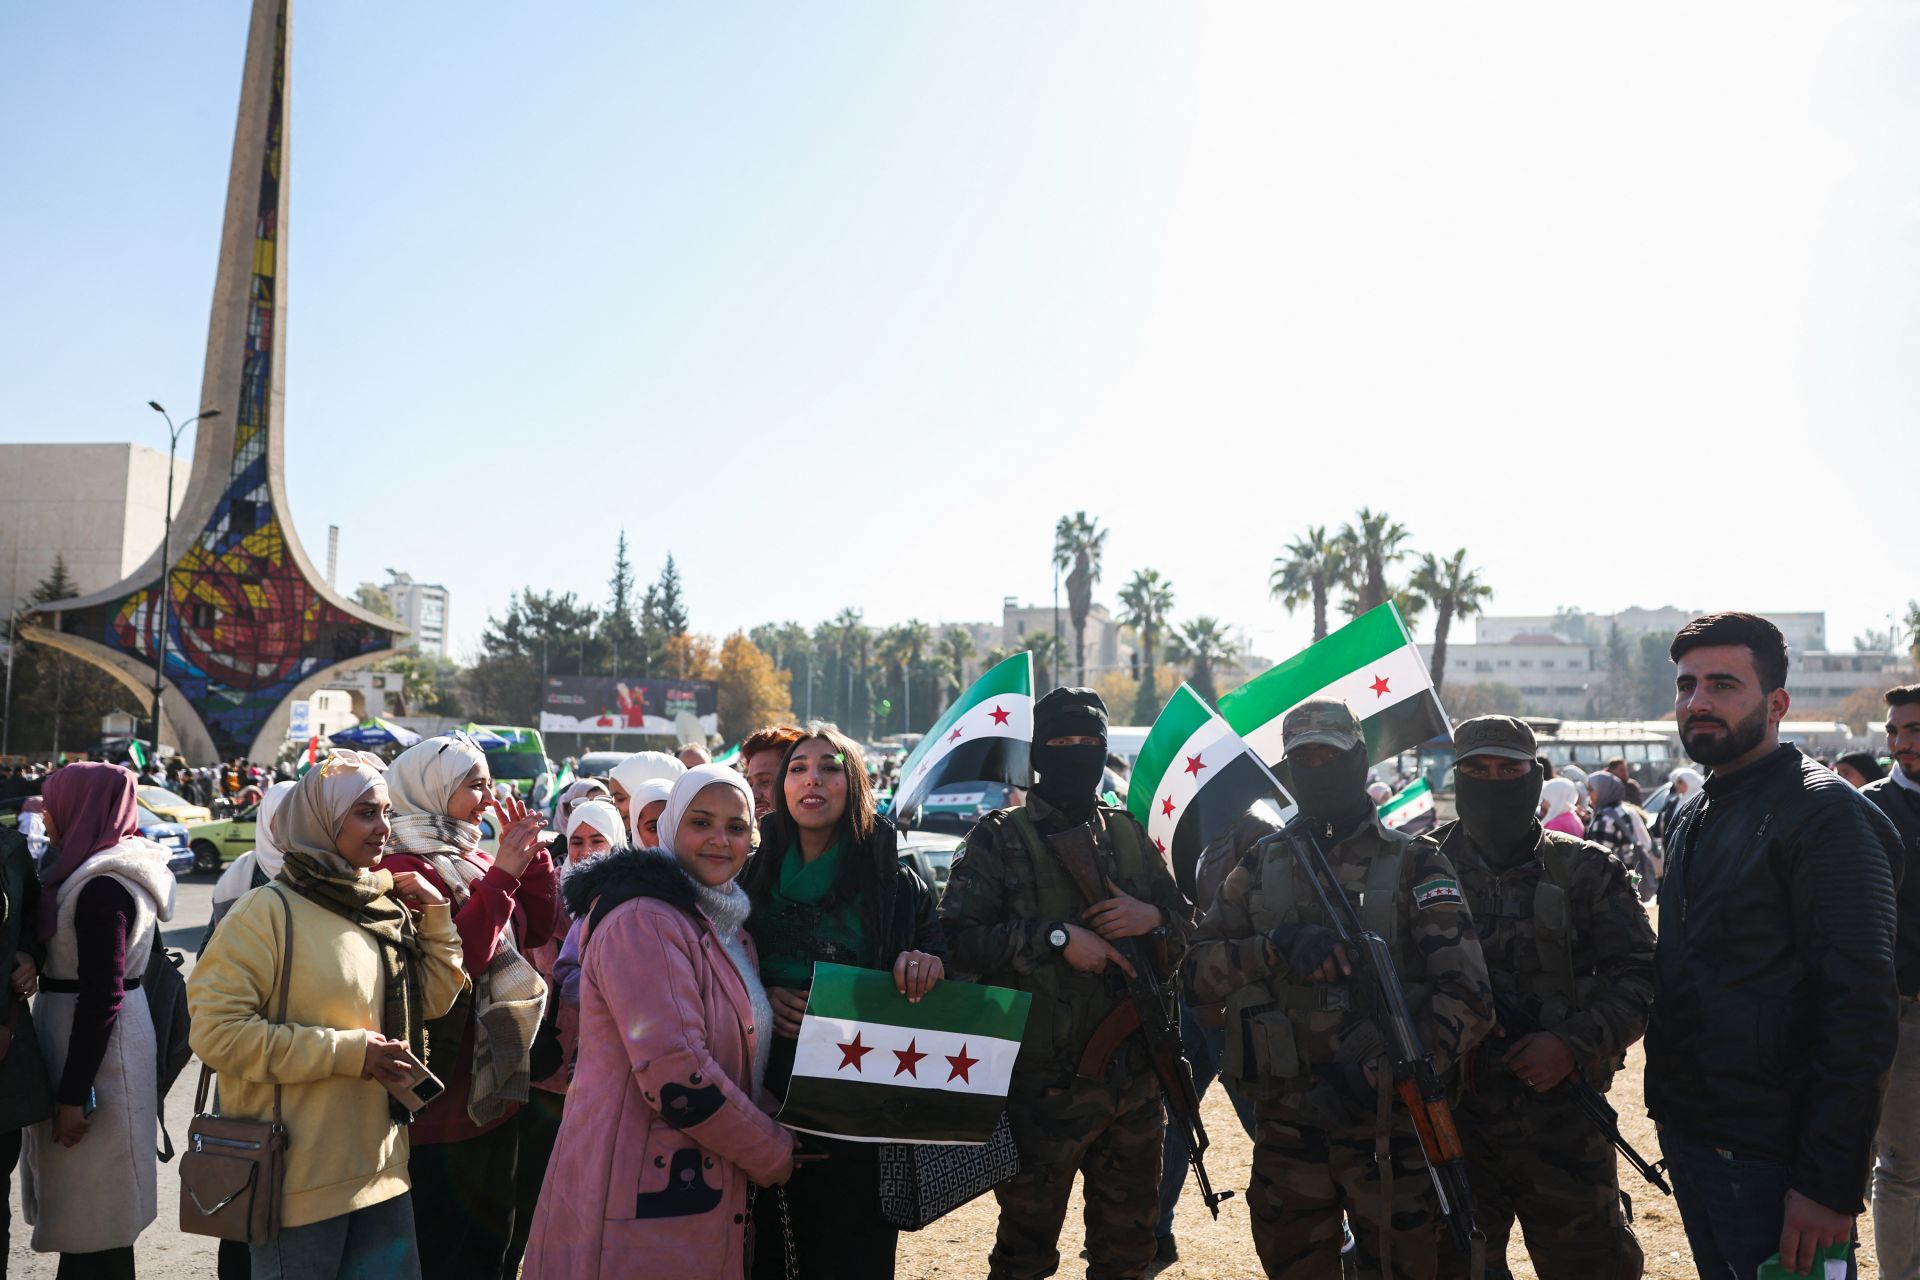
(1414, 1079)
(1144, 1011)
(1590, 1100)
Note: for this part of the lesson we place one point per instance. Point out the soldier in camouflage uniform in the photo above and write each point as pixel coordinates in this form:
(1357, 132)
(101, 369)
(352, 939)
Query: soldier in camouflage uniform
(1568, 947)
(1299, 1036)
(1015, 919)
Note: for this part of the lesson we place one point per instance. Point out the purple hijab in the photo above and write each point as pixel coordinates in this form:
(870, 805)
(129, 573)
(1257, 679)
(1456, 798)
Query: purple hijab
(92, 807)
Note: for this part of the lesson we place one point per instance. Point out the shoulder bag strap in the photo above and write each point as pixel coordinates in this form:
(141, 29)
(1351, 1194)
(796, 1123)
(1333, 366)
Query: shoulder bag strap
(280, 1015)
(286, 980)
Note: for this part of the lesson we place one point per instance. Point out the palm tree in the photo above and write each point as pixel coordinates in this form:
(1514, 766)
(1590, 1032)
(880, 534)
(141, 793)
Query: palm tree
(1046, 660)
(1145, 602)
(918, 636)
(1078, 541)
(1202, 643)
(1454, 591)
(1313, 566)
(956, 646)
(894, 648)
(1370, 546)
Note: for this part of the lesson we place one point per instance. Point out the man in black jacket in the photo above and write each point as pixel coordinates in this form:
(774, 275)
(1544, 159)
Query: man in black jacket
(1896, 1172)
(1775, 1011)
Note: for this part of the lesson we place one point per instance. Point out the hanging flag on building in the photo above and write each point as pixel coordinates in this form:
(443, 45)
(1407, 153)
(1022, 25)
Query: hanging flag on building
(870, 1066)
(1193, 777)
(1403, 811)
(985, 736)
(1371, 664)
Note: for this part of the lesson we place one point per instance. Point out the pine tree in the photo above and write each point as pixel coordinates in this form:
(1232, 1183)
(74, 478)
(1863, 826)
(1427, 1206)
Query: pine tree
(57, 585)
(617, 626)
(673, 607)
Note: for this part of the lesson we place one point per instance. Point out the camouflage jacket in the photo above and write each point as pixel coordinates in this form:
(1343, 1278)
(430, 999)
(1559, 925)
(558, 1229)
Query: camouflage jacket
(1612, 944)
(1436, 947)
(996, 931)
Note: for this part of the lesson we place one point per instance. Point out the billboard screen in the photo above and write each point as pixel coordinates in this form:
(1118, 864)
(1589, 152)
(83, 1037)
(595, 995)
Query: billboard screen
(611, 704)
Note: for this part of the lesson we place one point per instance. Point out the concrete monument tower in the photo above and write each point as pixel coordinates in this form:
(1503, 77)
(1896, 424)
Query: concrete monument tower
(251, 625)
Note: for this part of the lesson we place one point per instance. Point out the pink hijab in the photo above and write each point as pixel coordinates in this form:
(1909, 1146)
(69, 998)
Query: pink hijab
(92, 807)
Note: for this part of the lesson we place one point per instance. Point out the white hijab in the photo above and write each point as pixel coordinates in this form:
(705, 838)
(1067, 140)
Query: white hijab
(265, 852)
(653, 789)
(692, 783)
(1560, 795)
(644, 766)
(601, 816)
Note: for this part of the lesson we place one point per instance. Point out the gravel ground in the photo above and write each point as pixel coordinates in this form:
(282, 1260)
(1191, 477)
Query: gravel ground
(955, 1247)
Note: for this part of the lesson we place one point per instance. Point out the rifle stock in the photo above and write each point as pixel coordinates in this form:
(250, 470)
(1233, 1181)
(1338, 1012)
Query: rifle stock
(1079, 853)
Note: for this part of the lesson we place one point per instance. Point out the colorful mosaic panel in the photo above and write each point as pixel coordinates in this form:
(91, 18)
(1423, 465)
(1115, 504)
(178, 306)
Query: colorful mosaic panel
(245, 627)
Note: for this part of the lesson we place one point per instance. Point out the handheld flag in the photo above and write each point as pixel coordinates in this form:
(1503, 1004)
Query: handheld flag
(985, 736)
(1371, 664)
(1193, 777)
(136, 753)
(1403, 811)
(870, 1066)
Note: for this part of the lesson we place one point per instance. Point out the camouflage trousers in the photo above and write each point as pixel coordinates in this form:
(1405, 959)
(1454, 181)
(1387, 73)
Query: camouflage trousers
(1549, 1167)
(1113, 1136)
(1303, 1178)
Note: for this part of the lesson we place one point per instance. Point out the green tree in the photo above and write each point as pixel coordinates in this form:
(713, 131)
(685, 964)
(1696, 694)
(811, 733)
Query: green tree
(1454, 591)
(956, 647)
(374, 600)
(1618, 697)
(541, 634)
(1653, 676)
(429, 683)
(1371, 544)
(1465, 701)
(1575, 624)
(1307, 574)
(1078, 543)
(1912, 622)
(618, 627)
(1046, 650)
(1145, 602)
(59, 699)
(1202, 644)
(663, 616)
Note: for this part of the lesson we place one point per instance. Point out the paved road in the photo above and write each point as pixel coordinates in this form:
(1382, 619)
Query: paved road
(163, 1252)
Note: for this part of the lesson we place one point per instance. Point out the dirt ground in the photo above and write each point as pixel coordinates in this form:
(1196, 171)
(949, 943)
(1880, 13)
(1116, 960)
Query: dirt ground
(957, 1245)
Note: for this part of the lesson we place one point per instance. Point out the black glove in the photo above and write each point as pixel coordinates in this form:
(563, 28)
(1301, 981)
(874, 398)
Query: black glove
(1306, 946)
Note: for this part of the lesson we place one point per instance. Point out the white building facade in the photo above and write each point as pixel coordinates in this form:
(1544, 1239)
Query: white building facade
(422, 609)
(100, 507)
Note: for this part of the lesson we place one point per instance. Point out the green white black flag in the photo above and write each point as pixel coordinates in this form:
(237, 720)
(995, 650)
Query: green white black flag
(985, 736)
(1371, 664)
(871, 1066)
(1193, 777)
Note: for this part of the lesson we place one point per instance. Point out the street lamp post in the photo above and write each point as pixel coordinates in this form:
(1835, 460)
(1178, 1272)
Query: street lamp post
(166, 563)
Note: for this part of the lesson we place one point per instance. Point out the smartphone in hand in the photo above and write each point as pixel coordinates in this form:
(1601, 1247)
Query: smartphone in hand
(420, 1088)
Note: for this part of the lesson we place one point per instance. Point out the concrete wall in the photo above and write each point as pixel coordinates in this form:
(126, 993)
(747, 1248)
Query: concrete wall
(102, 506)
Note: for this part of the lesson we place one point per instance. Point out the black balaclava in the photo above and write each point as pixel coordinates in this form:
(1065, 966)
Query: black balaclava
(1336, 792)
(1070, 776)
(1501, 814)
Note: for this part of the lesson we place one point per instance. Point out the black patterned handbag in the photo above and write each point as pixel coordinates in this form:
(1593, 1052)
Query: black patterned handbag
(922, 1182)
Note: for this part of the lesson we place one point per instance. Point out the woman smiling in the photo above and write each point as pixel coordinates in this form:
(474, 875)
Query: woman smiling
(829, 886)
(662, 1131)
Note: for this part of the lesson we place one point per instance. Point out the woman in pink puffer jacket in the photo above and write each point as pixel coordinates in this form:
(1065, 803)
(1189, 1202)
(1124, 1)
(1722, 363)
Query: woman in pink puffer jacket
(663, 1129)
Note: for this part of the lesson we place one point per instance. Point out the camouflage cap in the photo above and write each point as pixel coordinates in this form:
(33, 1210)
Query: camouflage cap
(1494, 736)
(1328, 722)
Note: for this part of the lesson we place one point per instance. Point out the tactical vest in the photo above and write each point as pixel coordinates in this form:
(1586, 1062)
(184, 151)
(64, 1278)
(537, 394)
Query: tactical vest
(1067, 1005)
(1557, 990)
(1273, 1027)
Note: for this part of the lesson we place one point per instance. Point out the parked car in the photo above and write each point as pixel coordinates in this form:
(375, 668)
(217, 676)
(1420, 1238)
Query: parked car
(598, 764)
(171, 835)
(216, 843)
(173, 806)
(931, 853)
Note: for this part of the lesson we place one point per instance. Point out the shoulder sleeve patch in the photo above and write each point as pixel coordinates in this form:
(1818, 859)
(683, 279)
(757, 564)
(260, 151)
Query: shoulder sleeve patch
(1437, 892)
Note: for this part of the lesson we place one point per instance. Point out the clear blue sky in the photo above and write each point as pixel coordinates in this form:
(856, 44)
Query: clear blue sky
(847, 303)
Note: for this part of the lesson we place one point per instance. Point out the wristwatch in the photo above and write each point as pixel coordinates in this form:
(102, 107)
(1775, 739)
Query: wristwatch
(1058, 937)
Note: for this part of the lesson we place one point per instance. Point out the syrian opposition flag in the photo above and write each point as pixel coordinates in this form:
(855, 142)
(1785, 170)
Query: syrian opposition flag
(1193, 777)
(872, 1067)
(985, 736)
(1371, 664)
(1413, 803)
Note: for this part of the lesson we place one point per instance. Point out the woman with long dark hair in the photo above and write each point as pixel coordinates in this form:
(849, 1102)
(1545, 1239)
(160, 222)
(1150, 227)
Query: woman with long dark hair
(827, 885)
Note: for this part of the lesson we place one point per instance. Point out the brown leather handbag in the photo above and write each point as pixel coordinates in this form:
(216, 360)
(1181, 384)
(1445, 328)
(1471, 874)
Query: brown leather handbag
(231, 1170)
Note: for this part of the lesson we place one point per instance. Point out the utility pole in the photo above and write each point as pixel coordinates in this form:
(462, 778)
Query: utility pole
(166, 568)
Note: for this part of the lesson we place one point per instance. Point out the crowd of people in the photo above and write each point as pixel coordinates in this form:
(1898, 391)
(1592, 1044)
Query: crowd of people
(563, 1057)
